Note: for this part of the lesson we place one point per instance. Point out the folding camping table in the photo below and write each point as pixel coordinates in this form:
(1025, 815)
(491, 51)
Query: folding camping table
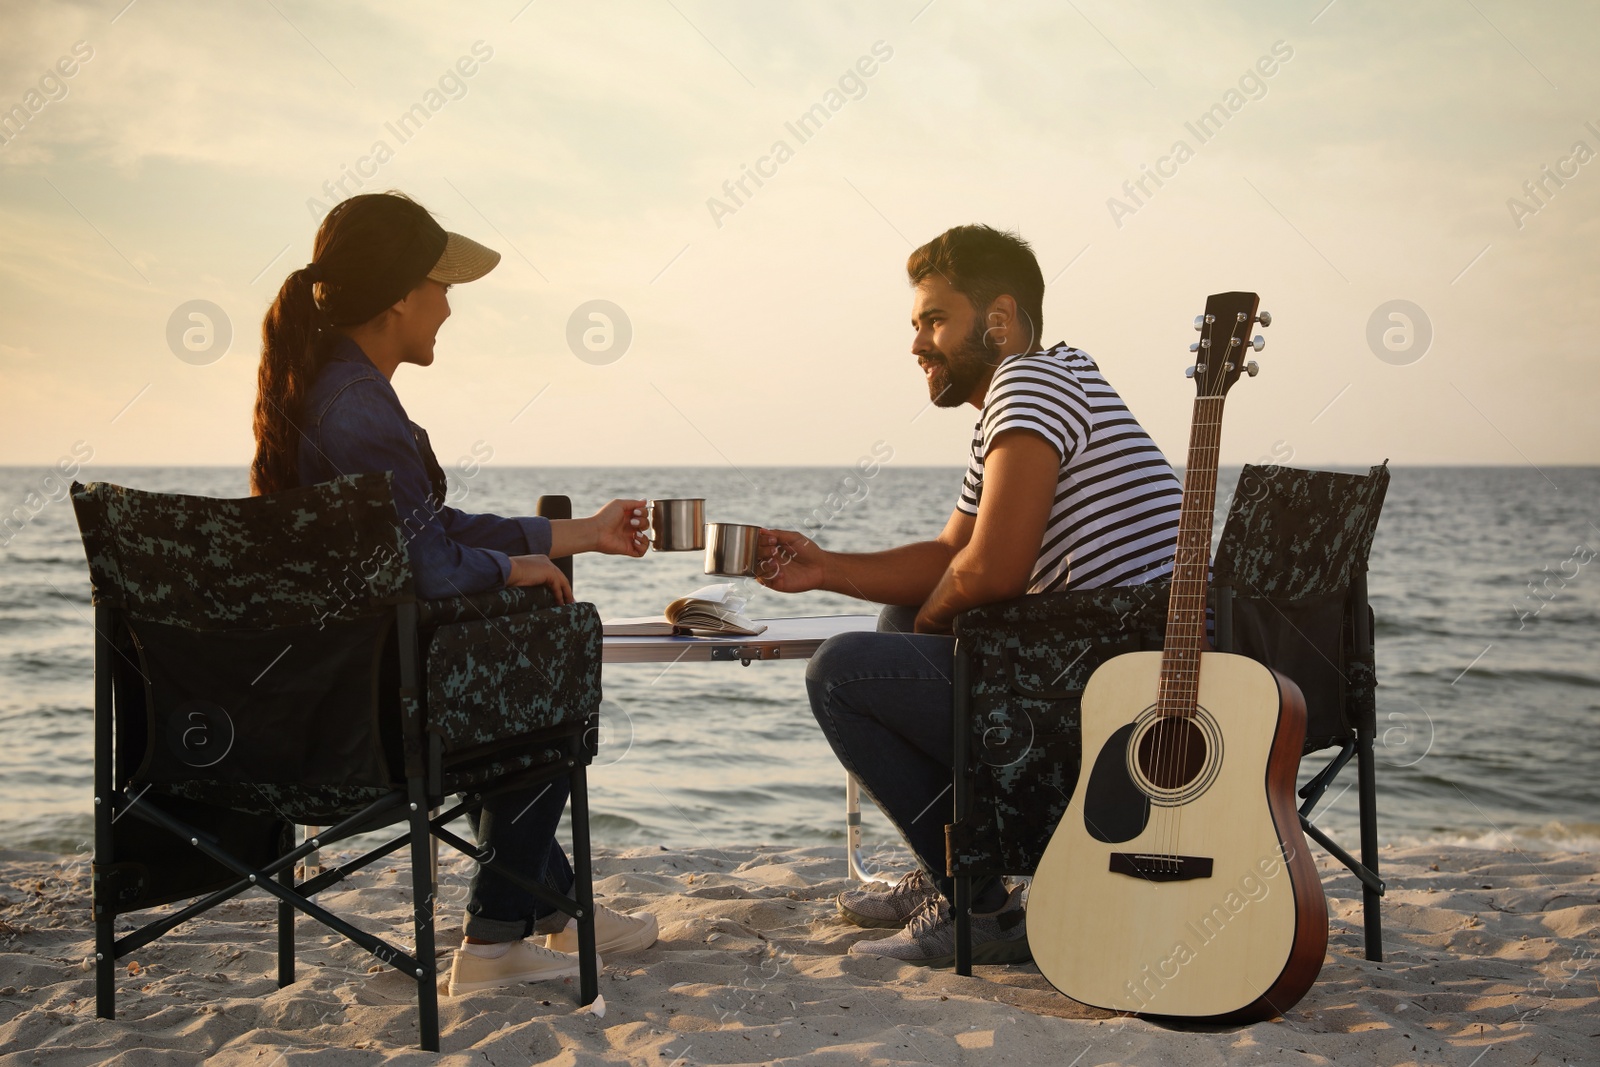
(792, 638)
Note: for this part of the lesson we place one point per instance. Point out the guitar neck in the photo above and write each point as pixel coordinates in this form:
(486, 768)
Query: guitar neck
(1224, 332)
(1186, 608)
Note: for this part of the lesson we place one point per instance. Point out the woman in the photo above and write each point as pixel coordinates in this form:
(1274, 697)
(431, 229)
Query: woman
(372, 298)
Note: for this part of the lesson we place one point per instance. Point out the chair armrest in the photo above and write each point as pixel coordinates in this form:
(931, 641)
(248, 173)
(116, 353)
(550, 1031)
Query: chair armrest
(508, 601)
(1021, 670)
(513, 600)
(1087, 610)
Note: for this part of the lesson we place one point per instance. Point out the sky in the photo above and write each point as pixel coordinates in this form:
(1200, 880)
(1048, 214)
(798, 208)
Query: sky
(1414, 190)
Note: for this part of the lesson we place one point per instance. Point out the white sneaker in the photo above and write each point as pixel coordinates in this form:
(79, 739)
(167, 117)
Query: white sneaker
(929, 939)
(889, 908)
(615, 934)
(523, 962)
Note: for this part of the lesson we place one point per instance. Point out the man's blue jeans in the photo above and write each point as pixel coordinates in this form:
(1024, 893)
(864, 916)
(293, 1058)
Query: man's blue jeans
(885, 703)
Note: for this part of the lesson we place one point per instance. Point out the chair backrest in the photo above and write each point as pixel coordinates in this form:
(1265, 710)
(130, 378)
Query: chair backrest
(252, 637)
(1293, 555)
(332, 551)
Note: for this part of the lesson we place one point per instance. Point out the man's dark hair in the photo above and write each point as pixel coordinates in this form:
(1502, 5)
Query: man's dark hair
(981, 263)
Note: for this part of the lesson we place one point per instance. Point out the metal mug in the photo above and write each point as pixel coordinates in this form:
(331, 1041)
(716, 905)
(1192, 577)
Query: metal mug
(731, 549)
(678, 525)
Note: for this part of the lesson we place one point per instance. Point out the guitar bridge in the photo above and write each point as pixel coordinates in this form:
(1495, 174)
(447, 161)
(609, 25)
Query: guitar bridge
(1153, 867)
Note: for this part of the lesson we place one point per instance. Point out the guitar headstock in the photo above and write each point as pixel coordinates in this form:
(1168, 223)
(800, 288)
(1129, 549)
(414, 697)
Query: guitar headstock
(1224, 336)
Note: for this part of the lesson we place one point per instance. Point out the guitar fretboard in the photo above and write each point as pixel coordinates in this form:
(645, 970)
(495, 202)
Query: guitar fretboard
(1186, 610)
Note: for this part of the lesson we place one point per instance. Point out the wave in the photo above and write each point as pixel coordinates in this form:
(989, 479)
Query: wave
(1547, 837)
(1389, 626)
(1544, 675)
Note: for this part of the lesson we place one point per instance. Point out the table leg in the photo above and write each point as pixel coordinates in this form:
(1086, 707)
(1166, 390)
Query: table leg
(433, 859)
(852, 831)
(311, 864)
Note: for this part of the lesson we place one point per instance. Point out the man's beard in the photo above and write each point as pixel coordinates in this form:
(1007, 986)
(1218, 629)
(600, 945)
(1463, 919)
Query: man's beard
(955, 376)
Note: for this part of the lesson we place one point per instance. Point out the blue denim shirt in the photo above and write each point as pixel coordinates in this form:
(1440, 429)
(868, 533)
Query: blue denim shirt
(352, 423)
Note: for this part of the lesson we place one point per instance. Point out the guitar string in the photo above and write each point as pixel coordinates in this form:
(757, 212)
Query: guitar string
(1210, 440)
(1186, 676)
(1193, 602)
(1166, 838)
(1172, 677)
(1176, 675)
(1169, 697)
(1181, 682)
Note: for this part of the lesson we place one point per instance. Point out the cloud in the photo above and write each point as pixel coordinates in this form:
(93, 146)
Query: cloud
(1376, 167)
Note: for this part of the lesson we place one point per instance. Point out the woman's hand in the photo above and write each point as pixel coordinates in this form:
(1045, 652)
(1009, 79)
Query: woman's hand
(538, 570)
(789, 562)
(619, 528)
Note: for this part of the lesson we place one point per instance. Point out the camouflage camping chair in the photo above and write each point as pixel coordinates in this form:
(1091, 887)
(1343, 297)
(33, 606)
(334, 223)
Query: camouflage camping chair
(1289, 589)
(263, 662)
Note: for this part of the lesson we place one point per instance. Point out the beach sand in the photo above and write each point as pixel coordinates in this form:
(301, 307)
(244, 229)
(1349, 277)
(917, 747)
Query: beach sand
(1492, 959)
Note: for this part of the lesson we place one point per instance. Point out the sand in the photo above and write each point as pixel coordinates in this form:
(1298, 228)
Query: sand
(1492, 959)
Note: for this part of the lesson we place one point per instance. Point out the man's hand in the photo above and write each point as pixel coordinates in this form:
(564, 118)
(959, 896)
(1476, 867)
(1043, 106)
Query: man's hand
(619, 529)
(789, 562)
(538, 570)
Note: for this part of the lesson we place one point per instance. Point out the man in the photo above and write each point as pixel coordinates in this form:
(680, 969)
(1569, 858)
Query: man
(1064, 490)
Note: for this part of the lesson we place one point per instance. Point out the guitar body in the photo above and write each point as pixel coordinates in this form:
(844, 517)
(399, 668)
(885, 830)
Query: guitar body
(1178, 882)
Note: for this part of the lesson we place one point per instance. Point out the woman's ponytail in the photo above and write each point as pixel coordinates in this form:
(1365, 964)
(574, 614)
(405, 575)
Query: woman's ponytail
(289, 338)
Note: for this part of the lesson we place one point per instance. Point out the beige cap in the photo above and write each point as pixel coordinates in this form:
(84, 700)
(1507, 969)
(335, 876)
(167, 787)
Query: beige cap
(463, 260)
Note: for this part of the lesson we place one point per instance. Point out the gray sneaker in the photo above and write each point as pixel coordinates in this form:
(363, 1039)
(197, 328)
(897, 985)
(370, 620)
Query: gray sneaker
(929, 939)
(887, 909)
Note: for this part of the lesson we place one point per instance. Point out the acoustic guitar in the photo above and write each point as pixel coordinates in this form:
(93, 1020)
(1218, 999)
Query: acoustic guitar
(1178, 882)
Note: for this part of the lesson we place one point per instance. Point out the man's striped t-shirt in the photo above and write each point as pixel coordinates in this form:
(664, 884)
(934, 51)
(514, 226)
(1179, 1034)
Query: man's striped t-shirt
(1115, 516)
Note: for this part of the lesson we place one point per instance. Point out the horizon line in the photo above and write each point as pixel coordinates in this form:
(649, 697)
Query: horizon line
(1362, 464)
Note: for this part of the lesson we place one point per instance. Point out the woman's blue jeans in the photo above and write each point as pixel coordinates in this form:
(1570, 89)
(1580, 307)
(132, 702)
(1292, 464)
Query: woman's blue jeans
(520, 828)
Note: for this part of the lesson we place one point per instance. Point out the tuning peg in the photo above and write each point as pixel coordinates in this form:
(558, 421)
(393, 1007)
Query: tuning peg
(1265, 318)
(1252, 368)
(1259, 343)
(1199, 322)
(1194, 346)
(1188, 372)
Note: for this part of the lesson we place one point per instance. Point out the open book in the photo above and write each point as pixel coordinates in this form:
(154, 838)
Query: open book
(713, 610)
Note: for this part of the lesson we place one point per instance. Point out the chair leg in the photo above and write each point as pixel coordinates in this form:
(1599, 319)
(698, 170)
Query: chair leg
(583, 886)
(961, 792)
(963, 909)
(105, 934)
(105, 968)
(422, 899)
(1372, 918)
(286, 931)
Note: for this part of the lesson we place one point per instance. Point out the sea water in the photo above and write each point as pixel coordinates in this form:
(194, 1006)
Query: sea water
(1484, 582)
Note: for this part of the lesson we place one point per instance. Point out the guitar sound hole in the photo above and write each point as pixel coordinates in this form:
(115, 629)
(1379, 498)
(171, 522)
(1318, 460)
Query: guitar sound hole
(1172, 753)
